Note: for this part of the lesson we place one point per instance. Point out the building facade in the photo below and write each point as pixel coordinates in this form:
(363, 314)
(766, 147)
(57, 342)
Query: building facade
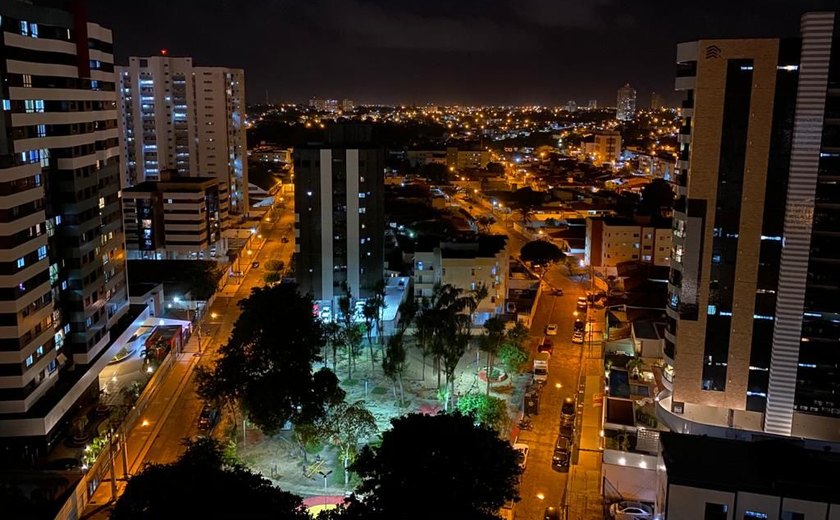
(611, 241)
(62, 286)
(174, 115)
(754, 296)
(465, 264)
(607, 147)
(625, 107)
(175, 218)
(339, 214)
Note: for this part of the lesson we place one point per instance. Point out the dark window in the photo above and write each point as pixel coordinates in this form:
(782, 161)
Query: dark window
(716, 511)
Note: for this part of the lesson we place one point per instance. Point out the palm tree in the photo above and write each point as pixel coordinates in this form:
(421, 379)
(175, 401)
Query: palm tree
(476, 296)
(491, 341)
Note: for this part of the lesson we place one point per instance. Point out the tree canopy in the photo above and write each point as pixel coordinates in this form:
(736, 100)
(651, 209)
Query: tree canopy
(266, 365)
(207, 485)
(465, 470)
(541, 252)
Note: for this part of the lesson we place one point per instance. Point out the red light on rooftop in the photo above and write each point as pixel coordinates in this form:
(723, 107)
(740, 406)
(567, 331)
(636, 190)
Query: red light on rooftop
(164, 52)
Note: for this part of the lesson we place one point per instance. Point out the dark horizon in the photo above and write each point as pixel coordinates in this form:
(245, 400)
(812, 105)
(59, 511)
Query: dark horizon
(541, 52)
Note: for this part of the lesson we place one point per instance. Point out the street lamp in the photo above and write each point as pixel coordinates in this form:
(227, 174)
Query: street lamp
(325, 475)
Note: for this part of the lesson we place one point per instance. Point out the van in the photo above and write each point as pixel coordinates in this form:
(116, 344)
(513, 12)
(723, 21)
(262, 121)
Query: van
(541, 367)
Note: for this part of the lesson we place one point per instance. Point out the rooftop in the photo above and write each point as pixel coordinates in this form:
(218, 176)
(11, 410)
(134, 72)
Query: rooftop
(769, 467)
(180, 183)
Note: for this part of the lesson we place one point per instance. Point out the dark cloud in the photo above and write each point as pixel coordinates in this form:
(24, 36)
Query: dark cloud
(469, 51)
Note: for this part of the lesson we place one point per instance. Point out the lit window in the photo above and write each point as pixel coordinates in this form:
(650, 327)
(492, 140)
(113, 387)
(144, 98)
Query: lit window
(29, 361)
(7, 105)
(21, 263)
(42, 252)
(40, 351)
(24, 28)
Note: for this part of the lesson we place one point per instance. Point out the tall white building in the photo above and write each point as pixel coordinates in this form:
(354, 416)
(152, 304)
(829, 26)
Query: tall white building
(174, 115)
(626, 103)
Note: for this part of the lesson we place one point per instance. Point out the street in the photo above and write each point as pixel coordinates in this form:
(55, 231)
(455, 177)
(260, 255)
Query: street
(172, 413)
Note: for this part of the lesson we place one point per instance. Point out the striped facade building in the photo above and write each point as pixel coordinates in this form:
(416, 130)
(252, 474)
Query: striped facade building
(753, 340)
(62, 258)
(339, 214)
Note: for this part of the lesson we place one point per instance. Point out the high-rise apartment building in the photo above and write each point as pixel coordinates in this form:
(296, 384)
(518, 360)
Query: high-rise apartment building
(592, 104)
(625, 106)
(339, 213)
(174, 115)
(754, 290)
(62, 285)
(656, 101)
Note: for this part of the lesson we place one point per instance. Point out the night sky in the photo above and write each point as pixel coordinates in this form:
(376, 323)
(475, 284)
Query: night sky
(442, 51)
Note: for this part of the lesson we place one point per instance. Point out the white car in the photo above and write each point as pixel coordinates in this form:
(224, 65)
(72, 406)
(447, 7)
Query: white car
(551, 329)
(522, 448)
(630, 511)
(577, 337)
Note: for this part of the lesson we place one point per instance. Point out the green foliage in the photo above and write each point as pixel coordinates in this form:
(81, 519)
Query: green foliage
(518, 334)
(267, 364)
(485, 409)
(467, 469)
(512, 356)
(274, 265)
(541, 252)
(272, 277)
(208, 485)
(346, 425)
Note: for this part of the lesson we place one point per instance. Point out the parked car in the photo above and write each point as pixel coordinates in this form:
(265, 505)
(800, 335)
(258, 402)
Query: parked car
(579, 325)
(284, 240)
(522, 448)
(551, 513)
(567, 411)
(208, 418)
(551, 329)
(577, 337)
(255, 264)
(581, 304)
(546, 346)
(567, 430)
(562, 454)
(626, 510)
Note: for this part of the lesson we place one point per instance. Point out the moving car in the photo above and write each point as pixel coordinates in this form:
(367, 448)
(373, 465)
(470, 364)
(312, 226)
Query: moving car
(562, 453)
(581, 304)
(255, 264)
(208, 418)
(546, 346)
(557, 292)
(551, 513)
(567, 411)
(522, 448)
(577, 337)
(630, 511)
(551, 329)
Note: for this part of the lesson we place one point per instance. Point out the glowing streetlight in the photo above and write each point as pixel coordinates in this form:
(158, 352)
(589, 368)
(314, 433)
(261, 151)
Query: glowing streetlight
(214, 315)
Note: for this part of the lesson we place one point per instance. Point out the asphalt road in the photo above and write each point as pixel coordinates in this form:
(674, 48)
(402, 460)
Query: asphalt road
(183, 420)
(542, 486)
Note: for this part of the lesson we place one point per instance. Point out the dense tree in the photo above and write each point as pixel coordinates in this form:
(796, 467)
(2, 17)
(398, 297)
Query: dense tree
(485, 409)
(541, 253)
(526, 200)
(512, 356)
(346, 425)
(657, 198)
(352, 333)
(494, 329)
(467, 471)
(393, 363)
(266, 367)
(436, 173)
(485, 222)
(207, 485)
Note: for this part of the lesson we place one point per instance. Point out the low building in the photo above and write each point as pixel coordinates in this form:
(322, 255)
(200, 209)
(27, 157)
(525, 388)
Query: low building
(658, 166)
(465, 264)
(423, 157)
(607, 147)
(174, 218)
(706, 478)
(265, 153)
(467, 158)
(610, 241)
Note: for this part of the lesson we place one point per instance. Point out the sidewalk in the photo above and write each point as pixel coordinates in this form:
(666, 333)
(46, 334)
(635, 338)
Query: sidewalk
(151, 419)
(583, 488)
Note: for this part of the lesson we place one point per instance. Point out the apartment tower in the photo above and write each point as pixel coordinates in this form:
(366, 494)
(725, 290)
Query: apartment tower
(174, 115)
(625, 106)
(339, 213)
(62, 279)
(753, 342)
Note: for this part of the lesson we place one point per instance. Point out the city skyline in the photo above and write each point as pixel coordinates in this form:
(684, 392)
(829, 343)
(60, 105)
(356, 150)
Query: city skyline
(539, 52)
